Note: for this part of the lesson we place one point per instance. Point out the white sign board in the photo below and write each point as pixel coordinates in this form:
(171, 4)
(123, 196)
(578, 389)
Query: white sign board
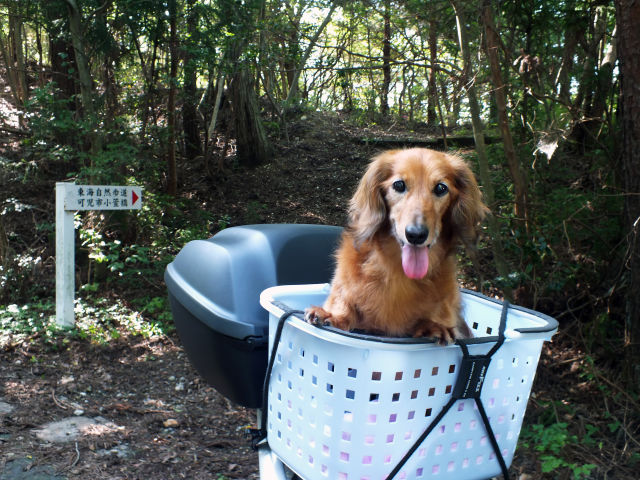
(102, 197)
(71, 198)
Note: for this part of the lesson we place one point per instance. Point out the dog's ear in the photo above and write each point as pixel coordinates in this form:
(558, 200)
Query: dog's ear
(368, 210)
(468, 210)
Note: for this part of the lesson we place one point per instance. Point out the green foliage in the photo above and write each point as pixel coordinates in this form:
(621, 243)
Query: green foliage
(50, 116)
(56, 134)
(158, 307)
(98, 320)
(552, 441)
(59, 136)
(115, 164)
(163, 221)
(17, 276)
(21, 321)
(254, 212)
(572, 230)
(551, 438)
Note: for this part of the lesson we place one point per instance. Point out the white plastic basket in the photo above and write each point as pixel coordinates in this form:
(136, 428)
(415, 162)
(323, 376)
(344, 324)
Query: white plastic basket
(348, 407)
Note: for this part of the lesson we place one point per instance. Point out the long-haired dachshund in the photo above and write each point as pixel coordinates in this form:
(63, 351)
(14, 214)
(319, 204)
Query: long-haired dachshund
(396, 264)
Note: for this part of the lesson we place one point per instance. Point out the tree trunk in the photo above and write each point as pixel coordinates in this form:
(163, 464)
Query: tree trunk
(590, 81)
(148, 71)
(12, 50)
(216, 107)
(172, 175)
(291, 45)
(62, 62)
(253, 147)
(109, 82)
(587, 103)
(189, 110)
(402, 92)
(492, 44)
(82, 64)
(10, 68)
(4, 245)
(41, 67)
(84, 75)
(584, 95)
(628, 19)
(604, 80)
(481, 151)
(571, 31)
(452, 106)
(17, 43)
(386, 60)
(432, 84)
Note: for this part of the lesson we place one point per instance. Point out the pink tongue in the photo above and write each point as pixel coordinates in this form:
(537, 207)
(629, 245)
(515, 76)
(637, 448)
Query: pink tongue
(415, 261)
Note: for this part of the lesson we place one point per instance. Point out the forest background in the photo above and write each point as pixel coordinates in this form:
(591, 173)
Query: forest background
(232, 112)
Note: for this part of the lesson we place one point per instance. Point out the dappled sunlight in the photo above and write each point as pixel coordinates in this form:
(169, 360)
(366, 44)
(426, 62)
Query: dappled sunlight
(98, 321)
(8, 113)
(103, 320)
(76, 428)
(17, 391)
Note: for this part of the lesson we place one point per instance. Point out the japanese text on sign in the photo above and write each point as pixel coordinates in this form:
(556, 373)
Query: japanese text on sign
(103, 197)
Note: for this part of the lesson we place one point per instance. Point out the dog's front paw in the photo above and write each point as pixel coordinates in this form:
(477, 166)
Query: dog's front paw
(317, 316)
(444, 335)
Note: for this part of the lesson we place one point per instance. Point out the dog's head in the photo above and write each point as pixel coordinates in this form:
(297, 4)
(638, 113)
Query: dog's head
(423, 197)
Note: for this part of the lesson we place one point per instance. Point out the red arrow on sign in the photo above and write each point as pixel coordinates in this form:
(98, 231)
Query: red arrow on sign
(134, 198)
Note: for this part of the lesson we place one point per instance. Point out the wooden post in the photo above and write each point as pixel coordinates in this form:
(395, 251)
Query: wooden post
(65, 259)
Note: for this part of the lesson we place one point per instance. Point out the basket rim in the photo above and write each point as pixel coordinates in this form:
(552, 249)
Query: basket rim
(276, 307)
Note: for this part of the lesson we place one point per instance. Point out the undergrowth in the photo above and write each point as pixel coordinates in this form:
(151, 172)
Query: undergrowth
(97, 320)
(551, 442)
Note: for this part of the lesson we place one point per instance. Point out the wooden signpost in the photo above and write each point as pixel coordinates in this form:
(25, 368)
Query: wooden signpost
(71, 198)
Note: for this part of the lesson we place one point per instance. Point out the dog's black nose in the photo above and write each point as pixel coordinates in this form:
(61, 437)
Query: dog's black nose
(416, 234)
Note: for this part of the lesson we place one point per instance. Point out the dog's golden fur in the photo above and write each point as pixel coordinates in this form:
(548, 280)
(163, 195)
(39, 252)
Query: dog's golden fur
(407, 200)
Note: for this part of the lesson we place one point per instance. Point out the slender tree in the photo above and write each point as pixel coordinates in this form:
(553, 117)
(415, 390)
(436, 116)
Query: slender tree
(492, 47)
(189, 110)
(172, 175)
(604, 79)
(386, 59)
(293, 89)
(12, 51)
(433, 85)
(85, 79)
(570, 43)
(76, 28)
(481, 151)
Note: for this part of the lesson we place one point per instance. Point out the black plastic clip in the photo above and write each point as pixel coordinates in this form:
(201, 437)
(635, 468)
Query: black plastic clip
(473, 370)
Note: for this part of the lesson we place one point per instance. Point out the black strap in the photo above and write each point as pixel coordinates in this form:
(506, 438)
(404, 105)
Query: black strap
(259, 435)
(468, 385)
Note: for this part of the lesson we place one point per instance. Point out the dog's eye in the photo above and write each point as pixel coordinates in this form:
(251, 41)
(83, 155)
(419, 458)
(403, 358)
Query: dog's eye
(440, 189)
(399, 186)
